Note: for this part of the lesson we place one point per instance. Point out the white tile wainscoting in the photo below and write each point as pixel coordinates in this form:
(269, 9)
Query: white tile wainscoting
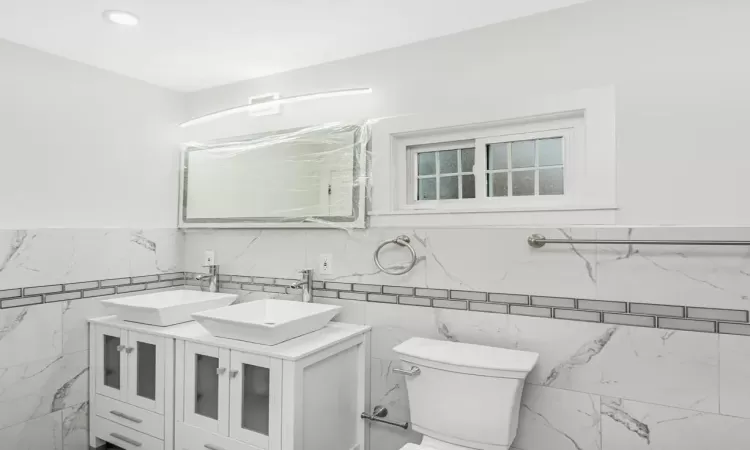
(597, 385)
(44, 347)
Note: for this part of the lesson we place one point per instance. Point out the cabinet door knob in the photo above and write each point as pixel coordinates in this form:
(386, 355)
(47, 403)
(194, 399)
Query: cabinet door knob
(129, 350)
(120, 348)
(233, 373)
(221, 370)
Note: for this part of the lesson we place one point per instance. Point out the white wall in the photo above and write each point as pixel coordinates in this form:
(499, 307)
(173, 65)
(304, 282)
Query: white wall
(83, 148)
(677, 67)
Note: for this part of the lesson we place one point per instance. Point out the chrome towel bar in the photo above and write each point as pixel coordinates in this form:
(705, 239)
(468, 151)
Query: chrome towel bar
(539, 241)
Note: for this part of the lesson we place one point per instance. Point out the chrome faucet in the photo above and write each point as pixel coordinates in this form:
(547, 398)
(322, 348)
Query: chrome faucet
(213, 277)
(306, 284)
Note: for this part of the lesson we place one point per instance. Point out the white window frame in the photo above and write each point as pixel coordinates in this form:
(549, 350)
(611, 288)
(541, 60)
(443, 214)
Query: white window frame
(560, 128)
(585, 121)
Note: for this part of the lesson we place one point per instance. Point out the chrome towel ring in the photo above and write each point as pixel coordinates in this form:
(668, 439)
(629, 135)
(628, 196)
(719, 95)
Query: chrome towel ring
(404, 242)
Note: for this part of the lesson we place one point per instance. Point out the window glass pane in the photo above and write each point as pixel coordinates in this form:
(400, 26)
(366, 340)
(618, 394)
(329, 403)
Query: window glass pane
(255, 398)
(448, 187)
(427, 189)
(550, 151)
(497, 156)
(146, 383)
(467, 186)
(111, 362)
(523, 182)
(522, 154)
(499, 184)
(467, 160)
(206, 386)
(448, 161)
(426, 163)
(551, 181)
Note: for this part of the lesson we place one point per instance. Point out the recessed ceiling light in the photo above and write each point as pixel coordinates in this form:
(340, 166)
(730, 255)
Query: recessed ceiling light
(121, 18)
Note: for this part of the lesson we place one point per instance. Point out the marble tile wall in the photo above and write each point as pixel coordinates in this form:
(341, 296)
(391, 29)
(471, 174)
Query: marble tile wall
(44, 347)
(597, 385)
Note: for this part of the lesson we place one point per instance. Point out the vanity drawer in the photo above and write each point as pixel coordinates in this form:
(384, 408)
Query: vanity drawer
(124, 437)
(130, 416)
(188, 437)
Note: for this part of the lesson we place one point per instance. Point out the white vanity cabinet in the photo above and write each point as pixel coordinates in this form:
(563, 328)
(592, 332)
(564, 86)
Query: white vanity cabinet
(131, 385)
(306, 393)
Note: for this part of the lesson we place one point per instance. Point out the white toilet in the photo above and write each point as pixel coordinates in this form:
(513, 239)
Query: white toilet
(463, 396)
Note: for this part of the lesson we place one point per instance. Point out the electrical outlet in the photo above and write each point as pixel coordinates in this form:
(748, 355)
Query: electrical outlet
(326, 264)
(209, 258)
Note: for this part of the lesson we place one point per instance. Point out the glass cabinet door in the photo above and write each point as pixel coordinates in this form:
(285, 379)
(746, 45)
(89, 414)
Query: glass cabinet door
(255, 399)
(146, 371)
(206, 387)
(111, 361)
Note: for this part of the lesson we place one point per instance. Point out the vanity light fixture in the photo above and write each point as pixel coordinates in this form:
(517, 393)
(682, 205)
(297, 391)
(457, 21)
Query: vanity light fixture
(121, 18)
(279, 101)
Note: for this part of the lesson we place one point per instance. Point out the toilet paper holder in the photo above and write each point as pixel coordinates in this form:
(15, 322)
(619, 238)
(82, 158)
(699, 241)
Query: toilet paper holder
(377, 416)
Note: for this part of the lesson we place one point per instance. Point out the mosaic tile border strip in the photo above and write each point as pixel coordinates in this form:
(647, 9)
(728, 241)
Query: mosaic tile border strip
(36, 295)
(672, 317)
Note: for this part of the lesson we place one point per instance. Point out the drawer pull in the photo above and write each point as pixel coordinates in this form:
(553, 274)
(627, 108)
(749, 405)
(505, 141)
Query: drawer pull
(125, 416)
(125, 439)
(212, 447)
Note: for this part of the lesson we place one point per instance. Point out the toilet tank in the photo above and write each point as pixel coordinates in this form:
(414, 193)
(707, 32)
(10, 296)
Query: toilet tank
(464, 394)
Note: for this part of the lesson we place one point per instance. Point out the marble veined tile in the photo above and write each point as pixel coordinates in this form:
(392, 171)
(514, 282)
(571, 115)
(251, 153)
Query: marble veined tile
(558, 419)
(268, 252)
(158, 250)
(734, 353)
(500, 260)
(711, 276)
(393, 324)
(673, 368)
(75, 327)
(352, 252)
(49, 256)
(30, 333)
(631, 425)
(36, 389)
(53, 256)
(43, 433)
(75, 427)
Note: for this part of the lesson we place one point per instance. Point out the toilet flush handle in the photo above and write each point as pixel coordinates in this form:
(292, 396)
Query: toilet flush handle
(414, 371)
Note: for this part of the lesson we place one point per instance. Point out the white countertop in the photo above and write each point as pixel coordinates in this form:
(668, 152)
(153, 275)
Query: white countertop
(293, 349)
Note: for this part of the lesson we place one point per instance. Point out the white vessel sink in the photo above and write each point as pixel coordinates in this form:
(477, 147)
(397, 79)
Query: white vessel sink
(266, 322)
(166, 308)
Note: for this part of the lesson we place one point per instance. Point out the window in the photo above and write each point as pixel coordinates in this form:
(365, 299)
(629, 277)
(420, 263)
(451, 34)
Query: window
(444, 174)
(511, 161)
(489, 169)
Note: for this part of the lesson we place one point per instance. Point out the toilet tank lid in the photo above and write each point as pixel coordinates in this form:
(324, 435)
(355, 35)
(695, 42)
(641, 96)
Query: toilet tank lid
(468, 355)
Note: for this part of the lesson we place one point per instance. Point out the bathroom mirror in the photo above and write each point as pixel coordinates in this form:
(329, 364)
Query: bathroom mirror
(308, 177)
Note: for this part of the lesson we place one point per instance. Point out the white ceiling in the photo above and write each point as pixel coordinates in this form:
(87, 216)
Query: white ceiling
(189, 45)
